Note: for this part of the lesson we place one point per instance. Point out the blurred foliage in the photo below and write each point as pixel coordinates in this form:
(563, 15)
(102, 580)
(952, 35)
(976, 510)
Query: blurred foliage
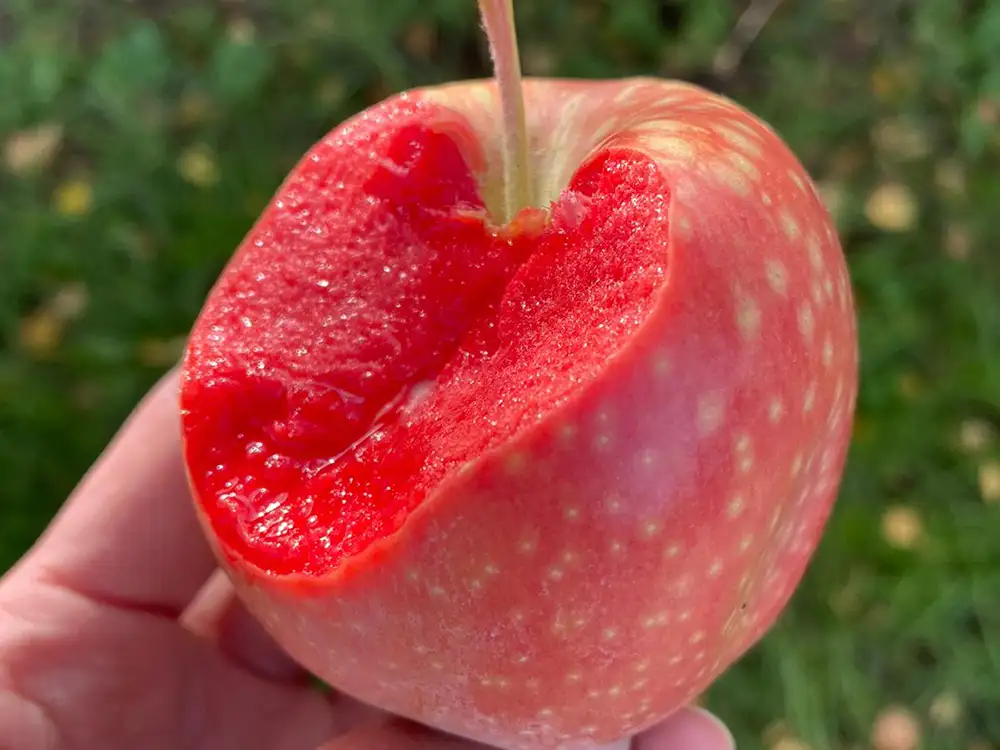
(141, 139)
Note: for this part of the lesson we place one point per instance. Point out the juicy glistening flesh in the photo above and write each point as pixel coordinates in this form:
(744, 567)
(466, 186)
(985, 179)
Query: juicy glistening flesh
(374, 334)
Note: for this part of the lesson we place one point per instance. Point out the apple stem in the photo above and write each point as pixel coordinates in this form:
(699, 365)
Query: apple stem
(498, 20)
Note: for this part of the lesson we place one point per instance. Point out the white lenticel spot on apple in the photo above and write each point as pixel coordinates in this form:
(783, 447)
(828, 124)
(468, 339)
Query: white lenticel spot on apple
(777, 276)
(646, 458)
(745, 165)
(796, 178)
(732, 178)
(650, 529)
(827, 357)
(671, 100)
(740, 140)
(684, 228)
(789, 225)
(625, 94)
(816, 291)
(815, 251)
(661, 365)
(674, 149)
(601, 442)
(748, 318)
(516, 463)
(775, 410)
(735, 506)
(807, 321)
(710, 413)
(672, 550)
(796, 468)
(810, 399)
(744, 452)
(828, 287)
(656, 620)
(567, 432)
(676, 127)
(715, 569)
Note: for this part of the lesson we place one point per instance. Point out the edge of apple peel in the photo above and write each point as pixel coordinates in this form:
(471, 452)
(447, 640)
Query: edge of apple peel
(305, 584)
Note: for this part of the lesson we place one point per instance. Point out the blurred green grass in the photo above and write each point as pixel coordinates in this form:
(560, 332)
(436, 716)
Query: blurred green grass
(141, 139)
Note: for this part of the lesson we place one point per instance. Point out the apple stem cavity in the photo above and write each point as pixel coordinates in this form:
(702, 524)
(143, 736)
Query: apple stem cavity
(498, 20)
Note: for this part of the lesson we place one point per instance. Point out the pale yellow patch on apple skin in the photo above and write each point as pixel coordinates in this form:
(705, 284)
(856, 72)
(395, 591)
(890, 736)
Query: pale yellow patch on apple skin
(568, 121)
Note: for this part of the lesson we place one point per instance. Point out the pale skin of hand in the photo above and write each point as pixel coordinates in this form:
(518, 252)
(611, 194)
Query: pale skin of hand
(118, 632)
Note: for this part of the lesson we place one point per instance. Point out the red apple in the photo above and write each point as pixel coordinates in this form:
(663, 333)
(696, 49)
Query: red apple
(524, 421)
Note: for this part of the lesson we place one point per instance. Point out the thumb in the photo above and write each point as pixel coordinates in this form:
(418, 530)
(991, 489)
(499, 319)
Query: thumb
(398, 735)
(689, 729)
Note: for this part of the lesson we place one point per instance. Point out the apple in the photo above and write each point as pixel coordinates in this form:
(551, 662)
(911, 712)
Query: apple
(522, 407)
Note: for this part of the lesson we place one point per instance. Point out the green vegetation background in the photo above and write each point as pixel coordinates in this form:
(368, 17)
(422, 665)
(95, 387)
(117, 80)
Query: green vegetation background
(141, 139)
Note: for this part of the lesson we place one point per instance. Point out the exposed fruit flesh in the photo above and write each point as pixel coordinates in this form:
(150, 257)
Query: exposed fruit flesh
(372, 336)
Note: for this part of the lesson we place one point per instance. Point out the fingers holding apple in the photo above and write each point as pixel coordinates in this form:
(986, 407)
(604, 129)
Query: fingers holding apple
(521, 409)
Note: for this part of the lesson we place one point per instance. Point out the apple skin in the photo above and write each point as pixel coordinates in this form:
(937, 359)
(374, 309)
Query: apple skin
(586, 579)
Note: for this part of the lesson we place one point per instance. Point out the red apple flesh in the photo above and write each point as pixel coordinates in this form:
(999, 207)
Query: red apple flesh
(534, 482)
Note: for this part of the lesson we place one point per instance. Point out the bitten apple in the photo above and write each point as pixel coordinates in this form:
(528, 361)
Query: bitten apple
(521, 409)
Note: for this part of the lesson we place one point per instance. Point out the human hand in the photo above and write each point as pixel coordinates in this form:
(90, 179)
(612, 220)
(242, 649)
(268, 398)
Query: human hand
(118, 632)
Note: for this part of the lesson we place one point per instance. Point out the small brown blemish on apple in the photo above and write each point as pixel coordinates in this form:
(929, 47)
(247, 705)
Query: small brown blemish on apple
(777, 276)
